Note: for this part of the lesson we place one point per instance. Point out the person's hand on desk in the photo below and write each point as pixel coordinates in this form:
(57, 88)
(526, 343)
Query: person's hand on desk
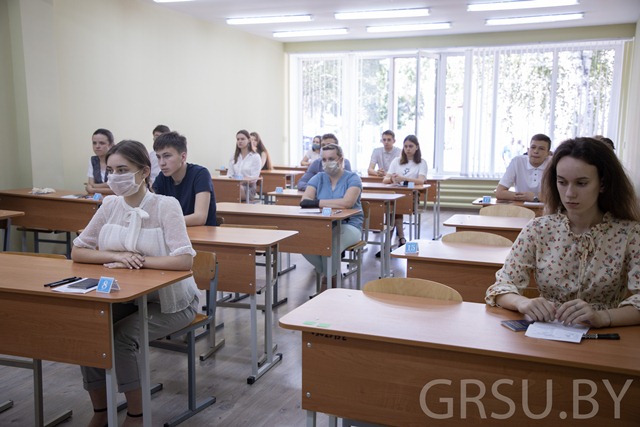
(536, 309)
(579, 311)
(128, 260)
(525, 197)
(309, 203)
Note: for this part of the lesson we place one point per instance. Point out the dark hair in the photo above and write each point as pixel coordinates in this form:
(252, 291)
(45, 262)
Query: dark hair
(330, 136)
(334, 147)
(172, 140)
(262, 149)
(617, 195)
(250, 147)
(417, 157)
(317, 136)
(105, 132)
(390, 133)
(542, 137)
(605, 140)
(161, 129)
(135, 153)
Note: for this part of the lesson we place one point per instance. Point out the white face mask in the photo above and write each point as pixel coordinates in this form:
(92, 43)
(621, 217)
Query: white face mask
(330, 167)
(124, 184)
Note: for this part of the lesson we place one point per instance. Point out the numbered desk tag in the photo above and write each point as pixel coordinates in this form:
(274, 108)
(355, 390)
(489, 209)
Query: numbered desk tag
(411, 184)
(486, 199)
(326, 211)
(279, 190)
(107, 284)
(411, 248)
(97, 196)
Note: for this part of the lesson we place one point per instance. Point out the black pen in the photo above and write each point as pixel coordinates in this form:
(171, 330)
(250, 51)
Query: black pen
(62, 282)
(601, 336)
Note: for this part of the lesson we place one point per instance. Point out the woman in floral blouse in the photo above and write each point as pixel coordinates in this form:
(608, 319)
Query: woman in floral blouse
(586, 253)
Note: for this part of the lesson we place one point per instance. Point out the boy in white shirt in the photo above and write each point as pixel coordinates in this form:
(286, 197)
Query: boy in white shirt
(382, 156)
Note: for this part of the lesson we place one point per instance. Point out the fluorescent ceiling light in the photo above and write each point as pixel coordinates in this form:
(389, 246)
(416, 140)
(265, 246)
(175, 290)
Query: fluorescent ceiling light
(379, 14)
(409, 27)
(269, 20)
(534, 19)
(518, 4)
(311, 33)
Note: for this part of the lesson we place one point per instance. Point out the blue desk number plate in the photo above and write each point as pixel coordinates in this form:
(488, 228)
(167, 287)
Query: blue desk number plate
(107, 284)
(411, 248)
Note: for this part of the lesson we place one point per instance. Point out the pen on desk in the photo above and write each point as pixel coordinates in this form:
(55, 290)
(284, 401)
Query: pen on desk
(338, 211)
(601, 336)
(61, 282)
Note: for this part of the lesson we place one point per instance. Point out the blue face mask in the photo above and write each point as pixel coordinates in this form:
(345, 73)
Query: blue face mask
(315, 147)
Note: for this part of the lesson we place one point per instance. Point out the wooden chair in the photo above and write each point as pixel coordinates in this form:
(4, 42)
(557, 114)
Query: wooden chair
(36, 366)
(413, 287)
(353, 254)
(507, 210)
(206, 278)
(476, 237)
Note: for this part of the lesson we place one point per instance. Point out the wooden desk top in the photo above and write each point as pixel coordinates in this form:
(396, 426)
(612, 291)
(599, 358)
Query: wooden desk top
(280, 211)
(465, 327)
(57, 195)
(19, 276)
(233, 236)
(226, 178)
(4, 214)
(437, 250)
(288, 192)
(282, 172)
(494, 201)
(393, 187)
(292, 168)
(434, 178)
(487, 222)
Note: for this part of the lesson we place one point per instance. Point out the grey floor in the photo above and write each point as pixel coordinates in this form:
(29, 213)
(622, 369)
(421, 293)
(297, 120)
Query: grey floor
(274, 400)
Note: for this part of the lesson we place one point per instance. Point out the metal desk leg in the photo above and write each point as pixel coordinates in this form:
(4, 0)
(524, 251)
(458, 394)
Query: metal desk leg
(145, 380)
(436, 214)
(311, 419)
(7, 234)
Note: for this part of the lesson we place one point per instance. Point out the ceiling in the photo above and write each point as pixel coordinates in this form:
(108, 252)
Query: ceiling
(596, 12)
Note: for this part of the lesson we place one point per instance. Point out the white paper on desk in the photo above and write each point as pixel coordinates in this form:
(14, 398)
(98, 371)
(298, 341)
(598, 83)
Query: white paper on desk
(67, 290)
(556, 331)
(533, 204)
(310, 210)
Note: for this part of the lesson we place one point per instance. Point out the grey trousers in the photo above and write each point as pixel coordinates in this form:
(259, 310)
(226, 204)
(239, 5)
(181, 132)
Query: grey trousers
(126, 331)
(348, 236)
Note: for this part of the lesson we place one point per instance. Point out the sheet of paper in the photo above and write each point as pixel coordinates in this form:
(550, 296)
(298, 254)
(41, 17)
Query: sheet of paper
(310, 211)
(66, 289)
(534, 204)
(556, 331)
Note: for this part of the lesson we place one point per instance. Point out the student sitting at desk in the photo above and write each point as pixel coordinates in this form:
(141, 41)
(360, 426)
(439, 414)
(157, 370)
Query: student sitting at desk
(258, 147)
(313, 153)
(155, 168)
(586, 253)
(335, 188)
(525, 172)
(316, 166)
(382, 156)
(409, 167)
(97, 175)
(125, 233)
(245, 163)
(189, 183)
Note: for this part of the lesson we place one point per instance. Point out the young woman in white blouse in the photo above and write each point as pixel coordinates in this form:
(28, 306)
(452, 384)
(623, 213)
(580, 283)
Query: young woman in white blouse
(136, 229)
(245, 163)
(409, 167)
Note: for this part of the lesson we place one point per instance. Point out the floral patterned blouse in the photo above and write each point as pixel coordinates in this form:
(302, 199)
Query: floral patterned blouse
(601, 266)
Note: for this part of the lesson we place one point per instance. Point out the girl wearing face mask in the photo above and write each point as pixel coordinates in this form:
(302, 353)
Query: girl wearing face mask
(97, 175)
(409, 167)
(136, 229)
(313, 153)
(245, 164)
(337, 188)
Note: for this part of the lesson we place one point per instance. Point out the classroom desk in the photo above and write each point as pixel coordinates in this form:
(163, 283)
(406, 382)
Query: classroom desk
(409, 205)
(468, 268)
(314, 230)
(235, 250)
(506, 226)
(53, 211)
(538, 208)
(381, 217)
(83, 331)
(231, 189)
(408, 361)
(294, 168)
(6, 216)
(285, 178)
(433, 196)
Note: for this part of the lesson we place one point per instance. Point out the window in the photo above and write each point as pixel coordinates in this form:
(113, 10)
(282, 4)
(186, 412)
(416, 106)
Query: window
(472, 110)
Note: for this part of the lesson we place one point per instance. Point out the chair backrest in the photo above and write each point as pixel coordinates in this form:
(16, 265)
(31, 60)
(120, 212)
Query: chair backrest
(204, 269)
(507, 210)
(265, 227)
(477, 237)
(43, 255)
(413, 287)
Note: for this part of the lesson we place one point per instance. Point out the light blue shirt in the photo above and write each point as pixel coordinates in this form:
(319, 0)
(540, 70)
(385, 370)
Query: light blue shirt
(322, 183)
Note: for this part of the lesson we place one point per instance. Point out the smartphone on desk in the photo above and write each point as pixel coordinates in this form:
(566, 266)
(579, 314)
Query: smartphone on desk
(516, 325)
(84, 284)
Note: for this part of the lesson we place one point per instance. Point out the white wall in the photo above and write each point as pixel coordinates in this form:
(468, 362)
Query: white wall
(127, 66)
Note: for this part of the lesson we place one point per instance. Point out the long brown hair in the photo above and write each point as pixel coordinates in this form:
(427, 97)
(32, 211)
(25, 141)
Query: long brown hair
(617, 197)
(417, 157)
(262, 149)
(237, 153)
